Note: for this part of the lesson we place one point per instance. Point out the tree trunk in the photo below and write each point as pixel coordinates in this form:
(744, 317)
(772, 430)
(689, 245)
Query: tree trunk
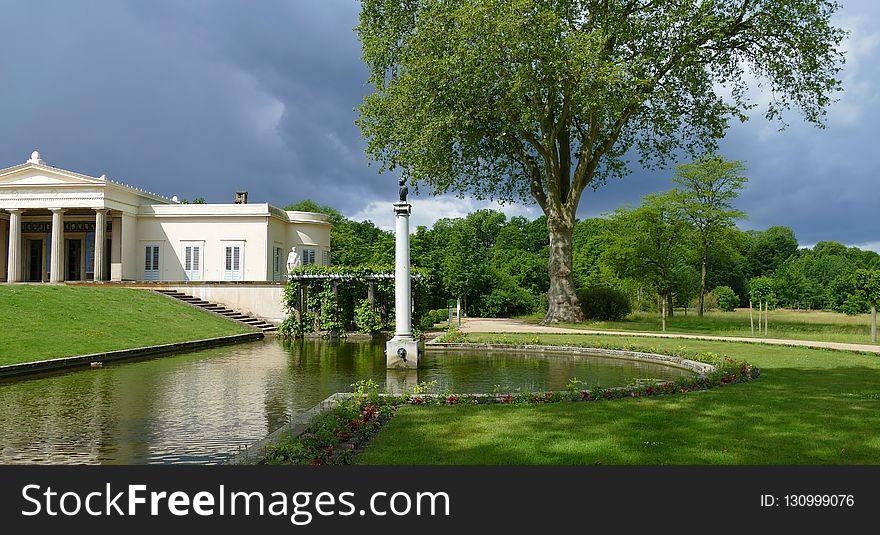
(670, 310)
(702, 287)
(766, 315)
(562, 300)
(751, 317)
(663, 313)
(873, 323)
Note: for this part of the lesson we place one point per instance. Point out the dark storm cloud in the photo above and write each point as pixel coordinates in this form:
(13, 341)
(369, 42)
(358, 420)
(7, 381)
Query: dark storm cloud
(202, 98)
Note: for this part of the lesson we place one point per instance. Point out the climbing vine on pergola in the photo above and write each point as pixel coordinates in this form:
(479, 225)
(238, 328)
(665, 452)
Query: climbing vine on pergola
(338, 299)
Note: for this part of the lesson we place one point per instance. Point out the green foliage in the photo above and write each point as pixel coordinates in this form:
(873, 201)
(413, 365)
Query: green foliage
(519, 100)
(867, 285)
(344, 310)
(727, 298)
(433, 317)
(367, 319)
(761, 290)
(604, 304)
(853, 306)
(769, 249)
(706, 190)
(463, 267)
(649, 244)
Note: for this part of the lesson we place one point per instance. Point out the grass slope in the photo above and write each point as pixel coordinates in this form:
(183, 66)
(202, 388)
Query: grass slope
(808, 407)
(40, 322)
(783, 324)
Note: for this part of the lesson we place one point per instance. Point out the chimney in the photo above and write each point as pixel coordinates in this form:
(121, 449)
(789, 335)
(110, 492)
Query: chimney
(240, 197)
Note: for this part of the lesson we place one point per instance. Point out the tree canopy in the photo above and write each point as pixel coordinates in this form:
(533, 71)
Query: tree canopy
(535, 100)
(706, 190)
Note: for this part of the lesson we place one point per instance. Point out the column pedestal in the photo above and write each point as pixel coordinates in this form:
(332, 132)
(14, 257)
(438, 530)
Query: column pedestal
(402, 351)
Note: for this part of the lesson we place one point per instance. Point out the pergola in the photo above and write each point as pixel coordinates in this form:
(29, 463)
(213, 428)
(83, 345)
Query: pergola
(336, 278)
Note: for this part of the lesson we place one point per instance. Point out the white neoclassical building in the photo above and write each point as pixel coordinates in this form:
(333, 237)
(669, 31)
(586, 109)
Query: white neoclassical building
(58, 225)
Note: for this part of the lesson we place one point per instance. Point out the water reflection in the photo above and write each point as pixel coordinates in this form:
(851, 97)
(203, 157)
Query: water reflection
(199, 407)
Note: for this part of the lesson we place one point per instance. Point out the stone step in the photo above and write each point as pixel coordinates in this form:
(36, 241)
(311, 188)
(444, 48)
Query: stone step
(221, 310)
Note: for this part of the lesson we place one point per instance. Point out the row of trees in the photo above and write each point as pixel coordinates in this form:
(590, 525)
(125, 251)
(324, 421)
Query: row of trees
(497, 266)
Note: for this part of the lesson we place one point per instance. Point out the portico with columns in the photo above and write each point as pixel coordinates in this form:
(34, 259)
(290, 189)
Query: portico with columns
(58, 225)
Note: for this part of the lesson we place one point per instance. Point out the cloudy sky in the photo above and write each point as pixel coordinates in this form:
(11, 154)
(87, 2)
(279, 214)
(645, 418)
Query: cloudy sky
(200, 98)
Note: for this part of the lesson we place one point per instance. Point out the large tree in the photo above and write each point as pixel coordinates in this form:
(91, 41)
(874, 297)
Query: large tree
(535, 100)
(706, 190)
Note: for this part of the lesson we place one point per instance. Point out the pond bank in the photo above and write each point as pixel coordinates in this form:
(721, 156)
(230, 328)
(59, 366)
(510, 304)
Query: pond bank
(82, 361)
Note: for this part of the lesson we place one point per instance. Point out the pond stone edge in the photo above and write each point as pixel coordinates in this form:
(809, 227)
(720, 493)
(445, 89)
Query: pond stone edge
(256, 453)
(81, 361)
(700, 368)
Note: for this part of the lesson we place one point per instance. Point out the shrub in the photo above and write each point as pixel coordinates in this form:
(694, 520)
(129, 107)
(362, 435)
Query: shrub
(726, 297)
(505, 302)
(854, 306)
(433, 317)
(604, 304)
(367, 320)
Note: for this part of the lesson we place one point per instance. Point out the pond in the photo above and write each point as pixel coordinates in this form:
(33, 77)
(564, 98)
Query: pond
(202, 406)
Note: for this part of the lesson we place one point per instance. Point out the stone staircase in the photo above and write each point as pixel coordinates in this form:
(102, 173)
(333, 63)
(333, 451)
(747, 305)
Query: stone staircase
(263, 325)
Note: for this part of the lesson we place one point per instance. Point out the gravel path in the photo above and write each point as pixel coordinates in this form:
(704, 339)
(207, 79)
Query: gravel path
(502, 325)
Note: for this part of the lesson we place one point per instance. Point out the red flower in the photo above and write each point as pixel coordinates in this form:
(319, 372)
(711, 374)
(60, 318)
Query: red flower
(316, 461)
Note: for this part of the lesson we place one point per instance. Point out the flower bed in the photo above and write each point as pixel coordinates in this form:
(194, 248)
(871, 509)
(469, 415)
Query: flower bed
(338, 435)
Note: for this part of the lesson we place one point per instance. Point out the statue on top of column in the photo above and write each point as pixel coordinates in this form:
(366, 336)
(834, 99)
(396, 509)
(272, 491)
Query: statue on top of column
(403, 190)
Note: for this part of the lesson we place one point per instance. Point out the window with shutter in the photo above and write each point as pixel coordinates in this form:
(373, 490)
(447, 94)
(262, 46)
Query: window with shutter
(232, 258)
(192, 265)
(151, 262)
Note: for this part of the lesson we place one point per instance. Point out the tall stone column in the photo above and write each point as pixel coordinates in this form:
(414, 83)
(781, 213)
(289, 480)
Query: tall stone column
(4, 249)
(402, 351)
(402, 281)
(56, 270)
(13, 272)
(100, 239)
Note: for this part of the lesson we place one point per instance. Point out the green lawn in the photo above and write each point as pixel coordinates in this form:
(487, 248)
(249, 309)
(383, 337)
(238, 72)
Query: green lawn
(817, 325)
(40, 322)
(809, 406)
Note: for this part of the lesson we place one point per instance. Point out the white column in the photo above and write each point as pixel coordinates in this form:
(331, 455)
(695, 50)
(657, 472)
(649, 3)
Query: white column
(4, 249)
(13, 273)
(100, 239)
(402, 351)
(402, 282)
(56, 270)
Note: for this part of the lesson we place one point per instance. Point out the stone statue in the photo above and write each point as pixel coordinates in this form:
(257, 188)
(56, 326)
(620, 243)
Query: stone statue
(293, 260)
(403, 190)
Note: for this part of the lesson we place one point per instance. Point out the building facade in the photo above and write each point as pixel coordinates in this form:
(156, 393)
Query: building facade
(58, 225)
